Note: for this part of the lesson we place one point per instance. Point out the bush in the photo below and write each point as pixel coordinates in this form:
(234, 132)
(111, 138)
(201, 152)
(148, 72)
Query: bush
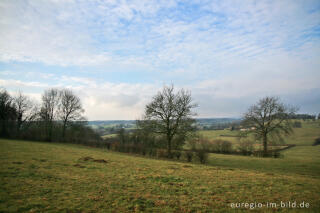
(189, 155)
(246, 147)
(152, 152)
(143, 151)
(273, 154)
(204, 144)
(115, 146)
(221, 146)
(216, 146)
(276, 154)
(316, 142)
(177, 154)
(202, 156)
(297, 124)
(108, 145)
(226, 147)
(162, 153)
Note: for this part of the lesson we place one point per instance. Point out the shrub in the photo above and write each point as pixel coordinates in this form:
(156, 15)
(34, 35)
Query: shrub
(152, 152)
(221, 146)
(204, 144)
(108, 145)
(162, 153)
(316, 142)
(246, 147)
(115, 146)
(276, 154)
(189, 155)
(297, 124)
(226, 147)
(202, 156)
(216, 146)
(273, 154)
(177, 154)
(143, 151)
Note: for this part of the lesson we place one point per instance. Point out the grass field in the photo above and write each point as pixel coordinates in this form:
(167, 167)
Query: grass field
(43, 177)
(301, 136)
(303, 159)
(109, 136)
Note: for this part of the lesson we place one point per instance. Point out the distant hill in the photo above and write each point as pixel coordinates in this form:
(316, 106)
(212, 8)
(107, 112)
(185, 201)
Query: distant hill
(201, 121)
(112, 126)
(210, 121)
(111, 122)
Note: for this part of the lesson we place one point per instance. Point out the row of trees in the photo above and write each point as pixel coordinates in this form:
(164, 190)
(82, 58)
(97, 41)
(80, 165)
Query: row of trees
(169, 115)
(167, 121)
(59, 117)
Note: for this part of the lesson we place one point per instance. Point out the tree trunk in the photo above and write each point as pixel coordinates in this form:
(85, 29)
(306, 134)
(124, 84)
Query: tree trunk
(265, 145)
(64, 131)
(50, 126)
(169, 139)
(19, 123)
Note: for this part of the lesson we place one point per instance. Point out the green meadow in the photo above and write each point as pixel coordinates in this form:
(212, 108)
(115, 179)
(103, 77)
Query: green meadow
(56, 177)
(109, 136)
(303, 136)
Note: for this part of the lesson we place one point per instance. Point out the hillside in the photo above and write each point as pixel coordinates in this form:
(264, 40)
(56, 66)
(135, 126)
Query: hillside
(43, 177)
(110, 127)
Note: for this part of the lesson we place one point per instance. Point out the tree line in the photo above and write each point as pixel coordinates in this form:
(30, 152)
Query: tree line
(166, 125)
(59, 117)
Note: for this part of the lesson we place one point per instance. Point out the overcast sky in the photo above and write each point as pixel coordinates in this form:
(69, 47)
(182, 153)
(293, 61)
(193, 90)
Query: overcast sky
(117, 54)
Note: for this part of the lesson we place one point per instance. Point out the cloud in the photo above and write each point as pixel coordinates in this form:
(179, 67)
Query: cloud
(100, 100)
(152, 33)
(66, 32)
(116, 101)
(117, 54)
(21, 84)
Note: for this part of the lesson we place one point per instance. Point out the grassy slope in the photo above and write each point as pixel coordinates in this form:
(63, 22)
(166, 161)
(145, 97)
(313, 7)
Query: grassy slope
(51, 177)
(109, 136)
(303, 159)
(304, 136)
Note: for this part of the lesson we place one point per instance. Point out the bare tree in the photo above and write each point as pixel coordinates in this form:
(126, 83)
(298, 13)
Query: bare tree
(170, 114)
(50, 102)
(7, 113)
(26, 111)
(269, 118)
(70, 108)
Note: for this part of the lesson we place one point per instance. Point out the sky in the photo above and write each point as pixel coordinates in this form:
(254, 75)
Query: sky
(116, 55)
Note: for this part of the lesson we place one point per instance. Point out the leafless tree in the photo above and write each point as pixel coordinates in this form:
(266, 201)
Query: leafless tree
(269, 118)
(7, 113)
(70, 108)
(26, 110)
(170, 114)
(50, 102)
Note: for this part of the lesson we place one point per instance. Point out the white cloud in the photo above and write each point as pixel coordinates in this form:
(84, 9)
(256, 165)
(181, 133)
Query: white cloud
(226, 52)
(66, 32)
(21, 84)
(100, 100)
(116, 101)
(94, 33)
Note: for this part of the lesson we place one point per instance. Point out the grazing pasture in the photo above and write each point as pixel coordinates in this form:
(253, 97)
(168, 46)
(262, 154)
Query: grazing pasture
(51, 177)
(305, 135)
